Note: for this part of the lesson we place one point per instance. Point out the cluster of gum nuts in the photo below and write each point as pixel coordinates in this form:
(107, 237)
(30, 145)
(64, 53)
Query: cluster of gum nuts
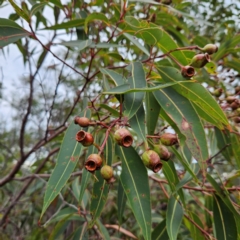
(199, 60)
(151, 158)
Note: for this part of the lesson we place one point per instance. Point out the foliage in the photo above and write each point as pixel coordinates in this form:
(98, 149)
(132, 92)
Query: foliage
(137, 65)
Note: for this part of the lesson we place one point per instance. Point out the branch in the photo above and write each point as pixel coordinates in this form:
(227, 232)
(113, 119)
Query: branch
(20, 162)
(207, 189)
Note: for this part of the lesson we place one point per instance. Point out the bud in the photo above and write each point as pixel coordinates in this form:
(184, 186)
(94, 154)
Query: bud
(152, 161)
(187, 71)
(94, 162)
(217, 92)
(200, 60)
(162, 151)
(85, 138)
(123, 137)
(168, 139)
(235, 105)
(210, 48)
(107, 173)
(82, 121)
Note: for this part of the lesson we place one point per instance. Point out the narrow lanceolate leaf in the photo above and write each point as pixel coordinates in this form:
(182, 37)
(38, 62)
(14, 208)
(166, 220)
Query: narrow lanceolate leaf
(192, 169)
(174, 217)
(117, 78)
(166, 43)
(230, 43)
(85, 176)
(160, 231)
(10, 32)
(93, 17)
(19, 11)
(195, 232)
(196, 93)
(37, 7)
(223, 194)
(235, 143)
(99, 198)
(224, 140)
(133, 101)
(134, 180)
(152, 112)
(103, 231)
(126, 88)
(66, 25)
(172, 177)
(100, 188)
(181, 111)
(137, 123)
(224, 222)
(66, 162)
(79, 44)
(135, 41)
(121, 202)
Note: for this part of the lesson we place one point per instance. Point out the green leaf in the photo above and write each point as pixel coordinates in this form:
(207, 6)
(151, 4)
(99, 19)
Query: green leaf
(66, 25)
(66, 162)
(152, 112)
(126, 88)
(85, 176)
(188, 176)
(235, 143)
(195, 92)
(37, 7)
(223, 194)
(160, 231)
(224, 139)
(133, 101)
(192, 169)
(223, 49)
(135, 41)
(137, 123)
(150, 34)
(181, 111)
(19, 11)
(100, 188)
(59, 227)
(10, 32)
(205, 116)
(166, 43)
(99, 198)
(111, 110)
(121, 202)
(172, 177)
(105, 45)
(81, 233)
(93, 17)
(104, 233)
(64, 213)
(224, 222)
(117, 78)
(134, 180)
(174, 217)
(209, 207)
(79, 44)
(195, 232)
